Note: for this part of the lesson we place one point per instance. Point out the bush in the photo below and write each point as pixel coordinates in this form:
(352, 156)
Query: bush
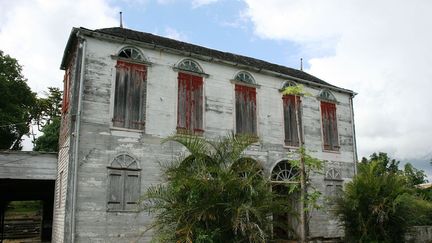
(213, 195)
(379, 206)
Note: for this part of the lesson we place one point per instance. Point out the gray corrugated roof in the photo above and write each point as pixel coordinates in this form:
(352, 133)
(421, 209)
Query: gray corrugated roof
(159, 41)
(200, 50)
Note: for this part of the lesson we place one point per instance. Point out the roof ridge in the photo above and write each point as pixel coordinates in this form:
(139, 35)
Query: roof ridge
(210, 52)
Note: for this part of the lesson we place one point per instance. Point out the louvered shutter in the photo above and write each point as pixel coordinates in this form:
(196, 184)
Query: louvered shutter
(329, 126)
(115, 190)
(290, 123)
(245, 110)
(132, 189)
(130, 95)
(190, 102)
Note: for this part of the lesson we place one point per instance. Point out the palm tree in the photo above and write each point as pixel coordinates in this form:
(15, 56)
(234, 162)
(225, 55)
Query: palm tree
(213, 194)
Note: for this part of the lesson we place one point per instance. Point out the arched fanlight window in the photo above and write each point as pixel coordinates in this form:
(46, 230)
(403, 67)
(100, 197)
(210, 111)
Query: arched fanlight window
(124, 184)
(125, 161)
(190, 65)
(131, 53)
(287, 84)
(247, 167)
(333, 174)
(244, 77)
(326, 95)
(284, 172)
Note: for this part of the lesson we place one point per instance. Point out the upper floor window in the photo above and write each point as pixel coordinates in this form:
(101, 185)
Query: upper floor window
(130, 90)
(124, 184)
(66, 87)
(292, 121)
(190, 98)
(245, 98)
(329, 121)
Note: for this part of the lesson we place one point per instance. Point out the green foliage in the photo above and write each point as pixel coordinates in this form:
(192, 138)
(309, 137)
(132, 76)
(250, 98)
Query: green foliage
(16, 103)
(295, 90)
(312, 166)
(414, 176)
(213, 195)
(380, 203)
(48, 108)
(48, 142)
(384, 162)
(47, 117)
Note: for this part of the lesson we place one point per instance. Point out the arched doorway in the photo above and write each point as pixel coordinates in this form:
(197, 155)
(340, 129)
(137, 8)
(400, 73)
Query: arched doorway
(285, 182)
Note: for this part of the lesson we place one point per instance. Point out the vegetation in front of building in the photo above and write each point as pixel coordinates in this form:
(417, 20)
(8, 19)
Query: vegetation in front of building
(381, 202)
(214, 193)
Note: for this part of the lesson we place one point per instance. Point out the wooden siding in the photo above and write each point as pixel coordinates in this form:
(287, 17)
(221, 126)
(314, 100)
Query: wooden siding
(100, 143)
(28, 165)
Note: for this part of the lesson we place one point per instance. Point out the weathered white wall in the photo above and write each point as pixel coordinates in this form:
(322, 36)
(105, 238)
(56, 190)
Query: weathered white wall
(28, 165)
(100, 143)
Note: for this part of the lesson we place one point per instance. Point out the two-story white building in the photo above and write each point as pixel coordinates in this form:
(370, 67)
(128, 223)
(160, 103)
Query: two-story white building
(124, 91)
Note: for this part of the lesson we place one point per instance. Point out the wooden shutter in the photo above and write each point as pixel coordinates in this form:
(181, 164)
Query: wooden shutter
(115, 190)
(190, 102)
(132, 189)
(136, 97)
(290, 123)
(130, 95)
(120, 96)
(329, 126)
(66, 89)
(245, 110)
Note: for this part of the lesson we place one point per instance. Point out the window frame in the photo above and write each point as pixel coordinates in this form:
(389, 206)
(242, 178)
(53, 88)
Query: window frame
(332, 179)
(137, 65)
(193, 78)
(240, 83)
(300, 116)
(328, 104)
(124, 171)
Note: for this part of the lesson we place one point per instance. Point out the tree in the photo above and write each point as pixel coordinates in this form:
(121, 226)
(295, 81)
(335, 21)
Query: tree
(49, 108)
(384, 162)
(47, 117)
(414, 176)
(297, 91)
(16, 103)
(380, 203)
(48, 142)
(213, 194)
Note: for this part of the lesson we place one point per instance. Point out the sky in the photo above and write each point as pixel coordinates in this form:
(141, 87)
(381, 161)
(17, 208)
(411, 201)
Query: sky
(379, 49)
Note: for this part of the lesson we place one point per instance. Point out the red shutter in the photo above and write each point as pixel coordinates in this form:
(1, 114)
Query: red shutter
(190, 102)
(290, 123)
(245, 110)
(329, 126)
(66, 89)
(130, 95)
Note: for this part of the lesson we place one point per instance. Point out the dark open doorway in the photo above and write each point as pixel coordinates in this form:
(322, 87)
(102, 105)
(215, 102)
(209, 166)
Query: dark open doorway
(26, 209)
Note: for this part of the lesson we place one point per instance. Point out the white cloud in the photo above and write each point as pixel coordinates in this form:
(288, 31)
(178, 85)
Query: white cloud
(199, 3)
(35, 32)
(174, 34)
(380, 49)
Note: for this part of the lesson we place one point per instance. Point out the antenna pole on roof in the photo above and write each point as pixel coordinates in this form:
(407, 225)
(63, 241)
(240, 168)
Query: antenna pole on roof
(301, 64)
(121, 20)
